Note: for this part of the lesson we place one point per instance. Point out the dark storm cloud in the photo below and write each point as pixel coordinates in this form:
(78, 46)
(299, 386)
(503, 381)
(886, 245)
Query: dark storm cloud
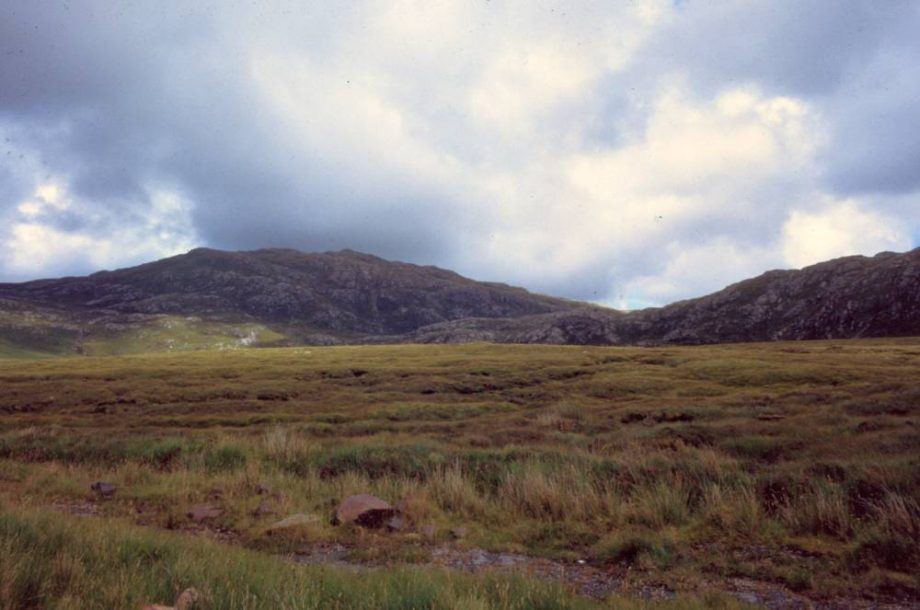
(140, 96)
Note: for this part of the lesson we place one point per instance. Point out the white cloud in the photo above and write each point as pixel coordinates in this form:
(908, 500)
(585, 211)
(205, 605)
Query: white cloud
(32, 247)
(741, 137)
(707, 267)
(34, 243)
(839, 229)
(700, 165)
(524, 83)
(49, 192)
(47, 199)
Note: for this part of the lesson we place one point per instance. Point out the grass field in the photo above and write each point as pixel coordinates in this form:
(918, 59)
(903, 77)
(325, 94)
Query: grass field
(794, 465)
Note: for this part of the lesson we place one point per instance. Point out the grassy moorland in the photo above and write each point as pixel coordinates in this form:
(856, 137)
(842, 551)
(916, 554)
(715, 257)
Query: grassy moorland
(796, 465)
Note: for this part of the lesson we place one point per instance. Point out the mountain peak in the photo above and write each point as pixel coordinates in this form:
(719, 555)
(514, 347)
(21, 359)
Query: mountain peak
(343, 291)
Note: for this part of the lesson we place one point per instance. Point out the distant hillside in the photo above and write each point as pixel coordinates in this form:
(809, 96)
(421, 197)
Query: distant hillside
(209, 298)
(855, 296)
(335, 291)
(325, 297)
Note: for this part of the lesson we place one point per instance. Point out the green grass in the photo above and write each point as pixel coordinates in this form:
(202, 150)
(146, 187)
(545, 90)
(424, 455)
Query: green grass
(50, 562)
(794, 464)
(45, 333)
(178, 333)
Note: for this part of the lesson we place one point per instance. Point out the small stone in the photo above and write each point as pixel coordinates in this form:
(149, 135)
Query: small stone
(747, 597)
(204, 512)
(106, 490)
(185, 601)
(459, 532)
(396, 524)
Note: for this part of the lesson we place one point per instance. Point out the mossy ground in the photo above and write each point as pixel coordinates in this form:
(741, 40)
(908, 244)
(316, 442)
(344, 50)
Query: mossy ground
(792, 463)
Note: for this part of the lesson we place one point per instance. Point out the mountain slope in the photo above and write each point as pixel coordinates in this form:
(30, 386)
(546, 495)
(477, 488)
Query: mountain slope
(209, 298)
(334, 291)
(855, 296)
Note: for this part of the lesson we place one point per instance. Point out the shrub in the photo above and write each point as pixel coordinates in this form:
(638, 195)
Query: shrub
(410, 461)
(163, 453)
(634, 548)
(758, 448)
(662, 504)
(224, 458)
(888, 551)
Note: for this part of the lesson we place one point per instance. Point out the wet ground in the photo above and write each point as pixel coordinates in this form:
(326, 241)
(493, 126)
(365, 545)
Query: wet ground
(588, 580)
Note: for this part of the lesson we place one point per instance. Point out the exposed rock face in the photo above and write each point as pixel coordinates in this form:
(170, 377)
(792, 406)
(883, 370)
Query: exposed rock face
(347, 297)
(364, 510)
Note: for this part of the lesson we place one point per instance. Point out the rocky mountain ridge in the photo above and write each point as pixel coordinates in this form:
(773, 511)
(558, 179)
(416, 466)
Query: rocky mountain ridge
(286, 297)
(849, 297)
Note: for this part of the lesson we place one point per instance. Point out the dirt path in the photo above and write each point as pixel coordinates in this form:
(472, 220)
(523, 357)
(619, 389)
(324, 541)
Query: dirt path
(588, 580)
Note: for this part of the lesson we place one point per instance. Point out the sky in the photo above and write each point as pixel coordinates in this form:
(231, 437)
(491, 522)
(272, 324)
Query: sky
(630, 153)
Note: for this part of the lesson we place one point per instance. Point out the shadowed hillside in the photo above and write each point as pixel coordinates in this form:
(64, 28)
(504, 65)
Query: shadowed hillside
(849, 297)
(336, 291)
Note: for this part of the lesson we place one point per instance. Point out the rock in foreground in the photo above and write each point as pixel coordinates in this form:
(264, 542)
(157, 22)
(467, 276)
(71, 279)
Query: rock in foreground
(106, 490)
(364, 510)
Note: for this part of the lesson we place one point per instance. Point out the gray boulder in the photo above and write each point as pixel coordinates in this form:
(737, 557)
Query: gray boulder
(106, 490)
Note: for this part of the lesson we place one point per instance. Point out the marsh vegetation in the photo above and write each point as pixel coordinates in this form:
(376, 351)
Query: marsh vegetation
(792, 464)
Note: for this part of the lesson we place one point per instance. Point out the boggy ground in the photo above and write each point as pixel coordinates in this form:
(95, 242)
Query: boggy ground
(786, 467)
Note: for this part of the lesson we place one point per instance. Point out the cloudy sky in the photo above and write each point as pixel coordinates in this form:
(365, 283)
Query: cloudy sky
(629, 153)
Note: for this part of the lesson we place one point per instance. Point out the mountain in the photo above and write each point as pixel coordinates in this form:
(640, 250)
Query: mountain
(294, 297)
(854, 296)
(211, 298)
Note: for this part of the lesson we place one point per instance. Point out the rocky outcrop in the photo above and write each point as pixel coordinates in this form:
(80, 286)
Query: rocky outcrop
(849, 297)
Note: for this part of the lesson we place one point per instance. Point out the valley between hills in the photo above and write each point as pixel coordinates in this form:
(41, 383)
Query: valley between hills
(505, 449)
